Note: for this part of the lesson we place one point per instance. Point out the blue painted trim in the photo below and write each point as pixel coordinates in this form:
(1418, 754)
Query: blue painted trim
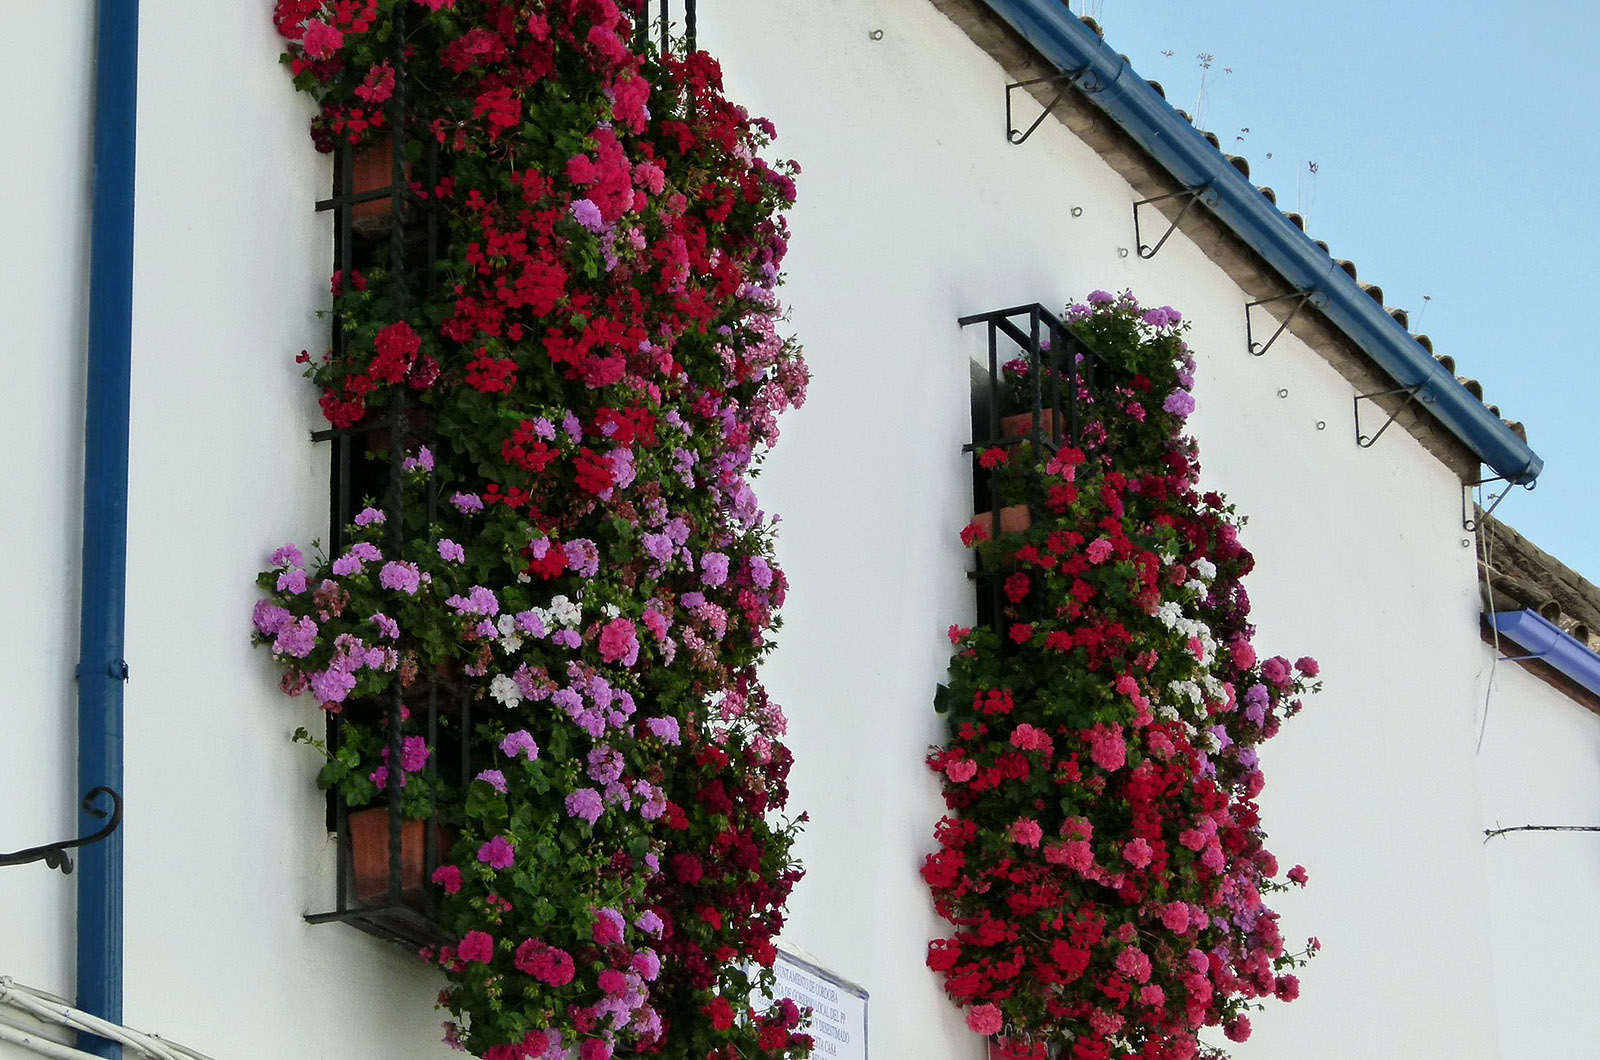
(101, 668)
(1532, 632)
(1113, 86)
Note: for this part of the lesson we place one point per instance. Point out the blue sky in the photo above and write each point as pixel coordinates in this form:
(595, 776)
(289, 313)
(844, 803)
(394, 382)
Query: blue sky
(1456, 147)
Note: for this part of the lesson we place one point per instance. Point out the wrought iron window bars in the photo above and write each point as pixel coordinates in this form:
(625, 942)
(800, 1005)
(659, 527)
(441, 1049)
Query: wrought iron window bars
(403, 914)
(1061, 372)
(662, 20)
(407, 909)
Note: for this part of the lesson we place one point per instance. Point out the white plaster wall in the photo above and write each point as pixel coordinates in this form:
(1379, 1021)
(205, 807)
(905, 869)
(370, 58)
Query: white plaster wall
(914, 210)
(42, 332)
(225, 845)
(1541, 765)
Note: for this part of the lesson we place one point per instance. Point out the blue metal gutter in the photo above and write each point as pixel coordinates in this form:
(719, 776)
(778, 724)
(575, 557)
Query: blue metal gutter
(1113, 86)
(1549, 644)
(101, 667)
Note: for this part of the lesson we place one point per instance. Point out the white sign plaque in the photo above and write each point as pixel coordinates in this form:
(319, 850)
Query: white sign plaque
(838, 1021)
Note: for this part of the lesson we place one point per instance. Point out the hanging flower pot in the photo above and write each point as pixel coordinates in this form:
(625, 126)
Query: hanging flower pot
(1021, 425)
(1019, 1049)
(371, 170)
(1014, 519)
(369, 856)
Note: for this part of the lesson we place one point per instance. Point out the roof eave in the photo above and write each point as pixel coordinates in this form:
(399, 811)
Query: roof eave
(1117, 90)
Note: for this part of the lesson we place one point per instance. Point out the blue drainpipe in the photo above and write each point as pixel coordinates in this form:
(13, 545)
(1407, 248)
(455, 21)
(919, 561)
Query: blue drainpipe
(101, 667)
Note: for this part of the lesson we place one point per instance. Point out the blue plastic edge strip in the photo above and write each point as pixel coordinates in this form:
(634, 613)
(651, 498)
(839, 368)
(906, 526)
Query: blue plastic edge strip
(1125, 97)
(1535, 633)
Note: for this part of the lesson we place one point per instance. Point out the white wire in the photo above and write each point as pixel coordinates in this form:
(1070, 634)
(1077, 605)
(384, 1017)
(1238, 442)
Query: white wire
(52, 1009)
(31, 1040)
(1494, 626)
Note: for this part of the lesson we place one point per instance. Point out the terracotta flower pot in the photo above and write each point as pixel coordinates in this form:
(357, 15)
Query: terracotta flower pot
(371, 170)
(1014, 519)
(369, 856)
(1020, 425)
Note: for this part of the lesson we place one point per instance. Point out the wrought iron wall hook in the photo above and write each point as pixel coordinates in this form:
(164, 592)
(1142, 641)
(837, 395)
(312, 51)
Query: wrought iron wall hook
(1312, 295)
(55, 855)
(1413, 393)
(1190, 197)
(1067, 80)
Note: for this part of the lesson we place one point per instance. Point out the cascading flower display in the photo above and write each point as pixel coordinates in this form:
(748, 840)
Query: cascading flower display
(1102, 862)
(598, 361)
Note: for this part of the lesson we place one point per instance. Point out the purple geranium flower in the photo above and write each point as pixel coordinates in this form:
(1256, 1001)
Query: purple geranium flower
(586, 213)
(665, 730)
(585, 803)
(287, 556)
(520, 743)
(401, 576)
(1179, 403)
(331, 686)
(269, 618)
(713, 568)
(296, 639)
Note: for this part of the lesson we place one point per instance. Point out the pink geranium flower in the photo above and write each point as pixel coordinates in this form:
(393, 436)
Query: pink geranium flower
(476, 946)
(497, 853)
(984, 1019)
(1027, 832)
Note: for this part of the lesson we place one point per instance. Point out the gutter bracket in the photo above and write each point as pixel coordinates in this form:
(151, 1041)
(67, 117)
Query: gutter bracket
(1470, 524)
(1310, 294)
(1419, 390)
(1066, 80)
(55, 855)
(1190, 195)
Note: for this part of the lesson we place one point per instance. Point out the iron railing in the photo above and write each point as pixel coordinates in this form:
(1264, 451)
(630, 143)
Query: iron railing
(1061, 374)
(406, 909)
(662, 21)
(406, 241)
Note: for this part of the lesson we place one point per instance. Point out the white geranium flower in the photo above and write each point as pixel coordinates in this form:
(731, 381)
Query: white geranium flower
(505, 691)
(510, 635)
(564, 612)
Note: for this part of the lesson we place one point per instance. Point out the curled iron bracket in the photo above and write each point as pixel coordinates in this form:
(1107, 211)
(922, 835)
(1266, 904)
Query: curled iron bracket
(1413, 393)
(1301, 297)
(1190, 197)
(55, 855)
(1066, 80)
